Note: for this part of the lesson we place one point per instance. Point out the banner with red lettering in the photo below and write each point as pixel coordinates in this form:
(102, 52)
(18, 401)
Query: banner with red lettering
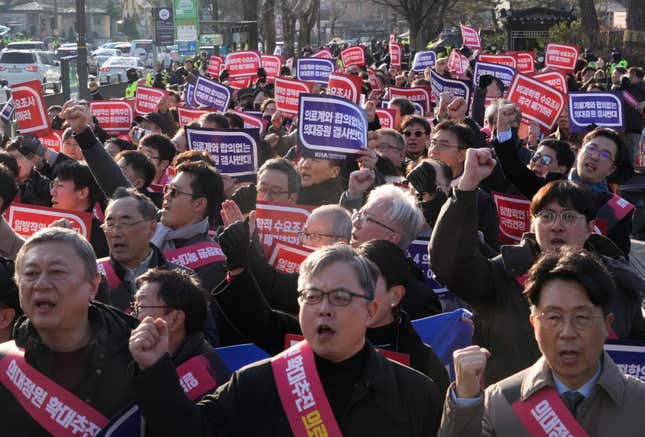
(458, 64)
(420, 95)
(187, 115)
(114, 116)
(538, 102)
(386, 117)
(396, 54)
(470, 37)
(30, 109)
(560, 56)
(287, 257)
(243, 64)
(525, 61)
(553, 78)
(26, 220)
(507, 60)
(252, 121)
(280, 222)
(53, 141)
(353, 56)
(347, 86)
(214, 66)
(147, 99)
(286, 94)
(271, 64)
(324, 53)
(514, 217)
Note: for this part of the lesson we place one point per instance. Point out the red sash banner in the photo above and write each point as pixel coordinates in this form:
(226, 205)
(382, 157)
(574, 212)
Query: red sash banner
(514, 217)
(470, 37)
(53, 141)
(544, 414)
(243, 64)
(272, 64)
(346, 86)
(196, 255)
(287, 257)
(280, 222)
(324, 53)
(560, 56)
(187, 115)
(538, 102)
(507, 60)
(26, 220)
(58, 411)
(301, 393)
(30, 108)
(420, 95)
(386, 117)
(214, 66)
(114, 116)
(613, 211)
(196, 377)
(106, 268)
(396, 54)
(353, 56)
(147, 99)
(554, 79)
(287, 92)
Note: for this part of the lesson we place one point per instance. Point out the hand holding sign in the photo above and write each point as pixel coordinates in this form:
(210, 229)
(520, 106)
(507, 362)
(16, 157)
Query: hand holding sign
(479, 165)
(470, 365)
(149, 342)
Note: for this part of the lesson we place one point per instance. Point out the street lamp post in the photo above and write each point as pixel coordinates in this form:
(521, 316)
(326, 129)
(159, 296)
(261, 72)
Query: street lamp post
(81, 47)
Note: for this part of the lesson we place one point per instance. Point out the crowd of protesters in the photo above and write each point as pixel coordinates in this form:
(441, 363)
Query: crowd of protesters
(94, 330)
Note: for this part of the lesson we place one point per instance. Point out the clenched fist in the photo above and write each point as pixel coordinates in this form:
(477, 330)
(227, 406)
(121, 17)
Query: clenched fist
(149, 342)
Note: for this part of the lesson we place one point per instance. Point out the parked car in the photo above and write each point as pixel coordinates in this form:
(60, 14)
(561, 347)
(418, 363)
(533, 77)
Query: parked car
(113, 70)
(26, 45)
(125, 47)
(67, 49)
(99, 56)
(17, 66)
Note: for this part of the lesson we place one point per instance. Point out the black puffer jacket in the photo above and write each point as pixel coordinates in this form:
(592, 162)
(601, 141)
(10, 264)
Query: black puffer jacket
(327, 192)
(106, 385)
(35, 190)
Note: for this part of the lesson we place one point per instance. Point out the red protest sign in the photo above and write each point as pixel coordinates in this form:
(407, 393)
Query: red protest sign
(30, 108)
(458, 63)
(280, 222)
(560, 56)
(514, 217)
(147, 99)
(346, 86)
(289, 63)
(287, 257)
(553, 78)
(243, 64)
(187, 115)
(252, 121)
(272, 64)
(375, 82)
(420, 95)
(353, 56)
(396, 54)
(538, 102)
(241, 83)
(286, 94)
(214, 66)
(525, 61)
(28, 219)
(52, 141)
(115, 116)
(386, 117)
(324, 53)
(507, 60)
(470, 37)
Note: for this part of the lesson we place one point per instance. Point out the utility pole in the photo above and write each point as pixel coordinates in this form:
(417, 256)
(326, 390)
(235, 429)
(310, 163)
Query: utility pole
(81, 46)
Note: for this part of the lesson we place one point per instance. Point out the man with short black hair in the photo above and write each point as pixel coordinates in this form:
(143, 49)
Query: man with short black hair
(140, 171)
(161, 151)
(278, 181)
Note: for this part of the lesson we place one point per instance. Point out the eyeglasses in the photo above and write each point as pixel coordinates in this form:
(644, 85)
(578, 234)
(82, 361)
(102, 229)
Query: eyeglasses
(338, 297)
(441, 146)
(315, 236)
(416, 133)
(136, 308)
(173, 192)
(567, 217)
(592, 149)
(544, 159)
(383, 147)
(359, 216)
(272, 192)
(581, 321)
(112, 227)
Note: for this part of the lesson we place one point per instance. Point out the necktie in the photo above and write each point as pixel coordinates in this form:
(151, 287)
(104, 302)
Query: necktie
(572, 399)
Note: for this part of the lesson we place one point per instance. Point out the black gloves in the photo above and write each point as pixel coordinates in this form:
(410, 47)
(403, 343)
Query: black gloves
(234, 241)
(423, 178)
(485, 80)
(245, 197)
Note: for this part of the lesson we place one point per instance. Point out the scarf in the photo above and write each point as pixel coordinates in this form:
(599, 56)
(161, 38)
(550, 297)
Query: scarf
(598, 187)
(164, 235)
